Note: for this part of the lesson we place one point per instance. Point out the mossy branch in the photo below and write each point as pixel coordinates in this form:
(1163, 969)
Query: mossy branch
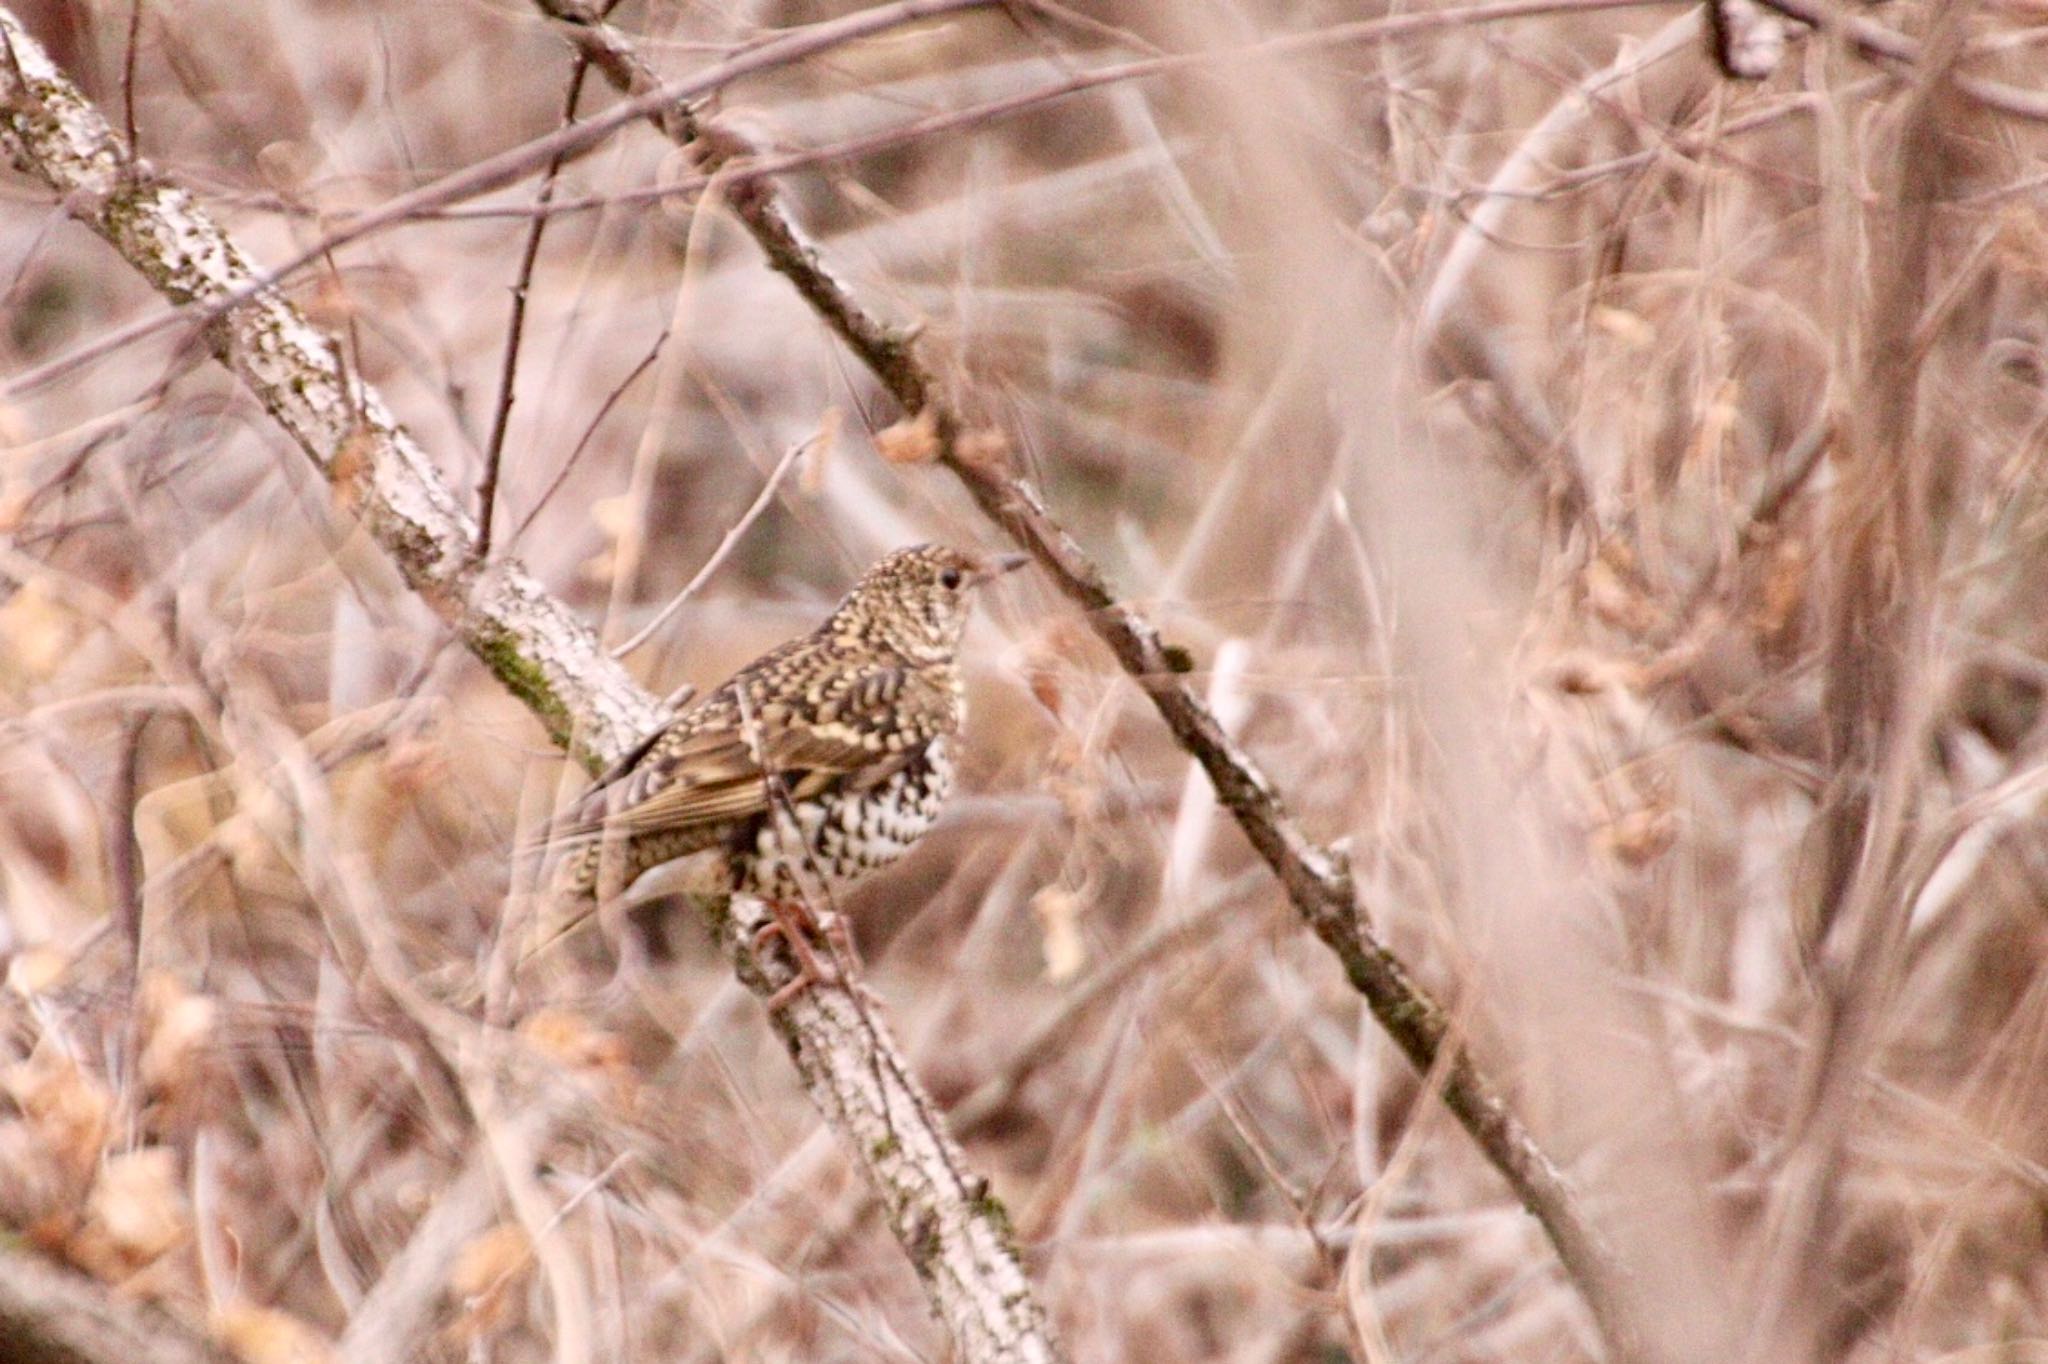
(377, 470)
(853, 1069)
(1317, 880)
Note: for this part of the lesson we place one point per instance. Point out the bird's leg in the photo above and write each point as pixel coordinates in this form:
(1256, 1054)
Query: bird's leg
(839, 937)
(792, 921)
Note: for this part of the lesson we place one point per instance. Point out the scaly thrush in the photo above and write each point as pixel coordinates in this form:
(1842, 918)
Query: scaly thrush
(845, 735)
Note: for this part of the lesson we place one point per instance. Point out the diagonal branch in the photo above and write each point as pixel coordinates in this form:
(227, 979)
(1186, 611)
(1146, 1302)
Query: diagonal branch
(1317, 880)
(51, 1316)
(523, 635)
(955, 1233)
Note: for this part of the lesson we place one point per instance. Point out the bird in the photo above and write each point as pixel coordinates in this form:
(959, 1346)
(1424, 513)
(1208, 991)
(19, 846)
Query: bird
(821, 761)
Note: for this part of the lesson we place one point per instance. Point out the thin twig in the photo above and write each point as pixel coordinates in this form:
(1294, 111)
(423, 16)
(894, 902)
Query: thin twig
(1533, 160)
(124, 871)
(128, 71)
(657, 102)
(515, 326)
(590, 433)
(726, 546)
(942, 1213)
(1317, 880)
(121, 860)
(1050, 1035)
(1878, 43)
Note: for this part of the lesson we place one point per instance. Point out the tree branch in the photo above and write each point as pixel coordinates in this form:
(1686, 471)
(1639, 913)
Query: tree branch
(51, 1316)
(1317, 880)
(523, 635)
(954, 1231)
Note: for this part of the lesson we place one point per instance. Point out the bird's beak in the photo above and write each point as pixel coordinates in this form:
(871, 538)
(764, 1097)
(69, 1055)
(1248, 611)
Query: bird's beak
(997, 565)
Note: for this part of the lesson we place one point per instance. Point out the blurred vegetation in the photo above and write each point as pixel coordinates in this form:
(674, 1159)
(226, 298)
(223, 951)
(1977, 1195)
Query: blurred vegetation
(1613, 502)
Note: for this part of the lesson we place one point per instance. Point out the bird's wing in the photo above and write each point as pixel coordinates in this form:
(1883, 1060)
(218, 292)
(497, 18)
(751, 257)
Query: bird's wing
(702, 770)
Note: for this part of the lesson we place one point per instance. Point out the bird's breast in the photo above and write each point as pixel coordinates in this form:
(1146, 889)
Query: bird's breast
(848, 832)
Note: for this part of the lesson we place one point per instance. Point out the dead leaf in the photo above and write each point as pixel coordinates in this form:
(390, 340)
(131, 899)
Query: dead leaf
(264, 1335)
(1639, 837)
(40, 633)
(1059, 913)
(137, 1205)
(350, 470)
(570, 1039)
(67, 1106)
(179, 1025)
(810, 474)
(915, 441)
(487, 1278)
(35, 970)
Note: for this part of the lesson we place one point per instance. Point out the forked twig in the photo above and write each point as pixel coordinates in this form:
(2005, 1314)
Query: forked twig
(1317, 880)
(719, 555)
(955, 1233)
(515, 324)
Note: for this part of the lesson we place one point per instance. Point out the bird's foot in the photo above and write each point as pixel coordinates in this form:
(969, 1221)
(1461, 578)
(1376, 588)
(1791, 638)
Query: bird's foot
(792, 922)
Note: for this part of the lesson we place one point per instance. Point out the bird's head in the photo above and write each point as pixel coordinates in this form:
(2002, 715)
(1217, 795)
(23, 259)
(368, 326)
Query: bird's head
(916, 600)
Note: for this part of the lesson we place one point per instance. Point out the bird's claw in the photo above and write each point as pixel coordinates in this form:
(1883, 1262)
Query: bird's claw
(790, 923)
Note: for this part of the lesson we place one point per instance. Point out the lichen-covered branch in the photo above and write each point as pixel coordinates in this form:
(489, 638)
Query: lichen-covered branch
(947, 1218)
(549, 660)
(953, 1229)
(1316, 879)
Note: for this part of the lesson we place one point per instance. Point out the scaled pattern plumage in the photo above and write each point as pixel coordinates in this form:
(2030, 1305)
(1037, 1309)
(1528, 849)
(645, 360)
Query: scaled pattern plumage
(855, 724)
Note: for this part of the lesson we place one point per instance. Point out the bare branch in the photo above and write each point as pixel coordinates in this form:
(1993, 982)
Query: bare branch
(507, 619)
(955, 1231)
(495, 171)
(760, 504)
(49, 1316)
(515, 324)
(1317, 880)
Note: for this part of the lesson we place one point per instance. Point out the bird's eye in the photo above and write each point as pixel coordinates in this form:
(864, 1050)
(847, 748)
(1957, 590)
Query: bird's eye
(949, 578)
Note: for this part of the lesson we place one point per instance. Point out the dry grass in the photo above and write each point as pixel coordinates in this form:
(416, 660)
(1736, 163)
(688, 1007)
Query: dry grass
(1634, 554)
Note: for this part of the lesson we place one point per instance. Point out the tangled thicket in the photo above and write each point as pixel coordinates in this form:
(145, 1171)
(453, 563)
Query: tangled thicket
(1603, 492)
